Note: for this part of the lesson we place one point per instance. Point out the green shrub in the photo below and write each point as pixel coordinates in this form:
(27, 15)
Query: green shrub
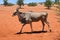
(56, 1)
(58, 7)
(20, 2)
(10, 4)
(32, 4)
(48, 3)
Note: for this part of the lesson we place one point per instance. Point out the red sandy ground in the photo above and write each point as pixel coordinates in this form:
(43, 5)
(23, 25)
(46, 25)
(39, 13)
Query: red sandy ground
(9, 25)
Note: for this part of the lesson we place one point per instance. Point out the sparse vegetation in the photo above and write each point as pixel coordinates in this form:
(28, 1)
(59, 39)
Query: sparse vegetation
(5, 2)
(20, 3)
(48, 4)
(32, 4)
(10, 4)
(56, 1)
(58, 8)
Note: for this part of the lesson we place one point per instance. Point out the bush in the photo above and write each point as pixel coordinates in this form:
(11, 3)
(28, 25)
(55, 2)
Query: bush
(20, 3)
(58, 7)
(48, 4)
(32, 4)
(56, 1)
(10, 4)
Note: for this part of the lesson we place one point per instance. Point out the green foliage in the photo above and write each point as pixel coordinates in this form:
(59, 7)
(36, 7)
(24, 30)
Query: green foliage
(58, 7)
(56, 1)
(32, 4)
(10, 4)
(5, 2)
(48, 3)
(20, 2)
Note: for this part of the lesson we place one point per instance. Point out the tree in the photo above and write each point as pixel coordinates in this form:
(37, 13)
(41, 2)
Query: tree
(48, 4)
(5, 2)
(57, 1)
(20, 3)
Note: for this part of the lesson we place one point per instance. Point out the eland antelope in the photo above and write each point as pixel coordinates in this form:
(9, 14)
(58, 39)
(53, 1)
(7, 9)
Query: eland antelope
(29, 17)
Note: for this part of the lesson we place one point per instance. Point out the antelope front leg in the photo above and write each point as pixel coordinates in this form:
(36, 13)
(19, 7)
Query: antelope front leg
(43, 25)
(31, 26)
(21, 28)
(48, 25)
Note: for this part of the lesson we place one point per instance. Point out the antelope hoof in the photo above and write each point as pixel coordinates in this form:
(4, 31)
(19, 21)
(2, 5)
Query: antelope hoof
(42, 30)
(50, 30)
(18, 33)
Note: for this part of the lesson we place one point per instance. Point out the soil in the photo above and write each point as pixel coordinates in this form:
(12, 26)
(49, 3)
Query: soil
(9, 25)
